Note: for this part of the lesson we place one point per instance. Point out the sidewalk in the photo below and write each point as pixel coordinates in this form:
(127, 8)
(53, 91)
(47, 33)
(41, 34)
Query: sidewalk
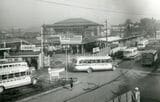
(61, 94)
(65, 93)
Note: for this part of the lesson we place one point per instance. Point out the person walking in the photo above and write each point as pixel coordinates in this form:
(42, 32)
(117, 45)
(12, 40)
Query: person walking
(71, 83)
(136, 95)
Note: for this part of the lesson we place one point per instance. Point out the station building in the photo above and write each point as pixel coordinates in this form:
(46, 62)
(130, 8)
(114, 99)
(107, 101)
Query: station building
(75, 34)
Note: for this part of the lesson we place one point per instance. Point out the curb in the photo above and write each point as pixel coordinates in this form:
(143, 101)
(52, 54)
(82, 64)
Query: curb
(117, 77)
(43, 93)
(151, 73)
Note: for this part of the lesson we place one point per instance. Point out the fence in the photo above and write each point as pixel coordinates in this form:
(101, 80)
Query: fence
(126, 97)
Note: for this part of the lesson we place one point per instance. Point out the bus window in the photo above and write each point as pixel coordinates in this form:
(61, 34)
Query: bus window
(0, 66)
(93, 61)
(23, 73)
(17, 74)
(10, 75)
(16, 65)
(89, 61)
(81, 61)
(85, 61)
(4, 77)
(109, 60)
(10, 65)
(74, 60)
(98, 61)
(5, 66)
(28, 72)
(103, 61)
(0, 77)
(24, 65)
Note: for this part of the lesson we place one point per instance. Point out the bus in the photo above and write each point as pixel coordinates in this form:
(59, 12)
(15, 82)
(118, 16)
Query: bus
(142, 44)
(149, 57)
(14, 73)
(91, 63)
(130, 53)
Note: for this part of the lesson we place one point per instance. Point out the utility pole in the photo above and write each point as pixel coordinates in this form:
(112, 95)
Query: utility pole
(42, 47)
(106, 34)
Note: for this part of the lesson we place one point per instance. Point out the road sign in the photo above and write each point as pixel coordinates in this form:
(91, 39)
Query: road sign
(96, 49)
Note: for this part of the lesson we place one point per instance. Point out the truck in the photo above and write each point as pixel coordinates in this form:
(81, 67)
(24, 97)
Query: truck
(149, 57)
(142, 44)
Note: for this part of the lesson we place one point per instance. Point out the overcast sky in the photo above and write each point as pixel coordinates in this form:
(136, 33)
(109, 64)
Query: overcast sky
(29, 13)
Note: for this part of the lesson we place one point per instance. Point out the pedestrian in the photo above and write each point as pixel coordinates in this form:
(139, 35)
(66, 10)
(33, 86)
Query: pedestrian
(136, 95)
(71, 83)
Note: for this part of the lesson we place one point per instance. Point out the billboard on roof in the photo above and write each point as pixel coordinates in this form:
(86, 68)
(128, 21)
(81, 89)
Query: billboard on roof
(71, 39)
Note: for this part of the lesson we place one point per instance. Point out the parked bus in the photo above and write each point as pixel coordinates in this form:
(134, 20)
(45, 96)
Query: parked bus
(149, 57)
(14, 73)
(142, 44)
(91, 63)
(130, 53)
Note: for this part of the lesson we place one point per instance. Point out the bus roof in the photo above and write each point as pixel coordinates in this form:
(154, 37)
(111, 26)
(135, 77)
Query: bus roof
(12, 70)
(10, 60)
(16, 62)
(130, 48)
(93, 57)
(150, 51)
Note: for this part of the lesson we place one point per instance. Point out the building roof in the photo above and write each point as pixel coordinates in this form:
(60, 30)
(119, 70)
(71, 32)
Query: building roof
(25, 54)
(89, 40)
(110, 38)
(33, 41)
(75, 22)
(150, 51)
(12, 40)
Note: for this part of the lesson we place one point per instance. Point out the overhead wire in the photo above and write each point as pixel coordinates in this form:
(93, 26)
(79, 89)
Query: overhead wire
(90, 8)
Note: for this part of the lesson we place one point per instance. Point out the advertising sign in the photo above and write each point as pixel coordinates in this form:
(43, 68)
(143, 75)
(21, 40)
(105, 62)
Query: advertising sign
(71, 39)
(96, 50)
(28, 47)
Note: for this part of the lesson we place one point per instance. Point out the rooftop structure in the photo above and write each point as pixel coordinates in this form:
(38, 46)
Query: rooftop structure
(75, 22)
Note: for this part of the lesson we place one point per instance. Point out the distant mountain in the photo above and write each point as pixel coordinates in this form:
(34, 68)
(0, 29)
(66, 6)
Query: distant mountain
(33, 29)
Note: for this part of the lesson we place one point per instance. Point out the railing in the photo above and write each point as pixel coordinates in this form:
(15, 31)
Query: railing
(130, 96)
(126, 97)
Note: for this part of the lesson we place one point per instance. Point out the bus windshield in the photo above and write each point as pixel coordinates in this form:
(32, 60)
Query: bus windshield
(74, 60)
(127, 52)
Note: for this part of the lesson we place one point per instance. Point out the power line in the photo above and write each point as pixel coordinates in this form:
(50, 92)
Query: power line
(90, 8)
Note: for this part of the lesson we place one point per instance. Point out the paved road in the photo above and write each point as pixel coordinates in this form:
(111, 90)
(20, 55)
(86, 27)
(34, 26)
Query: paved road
(107, 84)
(149, 86)
(86, 81)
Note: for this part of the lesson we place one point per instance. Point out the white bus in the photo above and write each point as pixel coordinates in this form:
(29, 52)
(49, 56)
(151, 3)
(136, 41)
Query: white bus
(91, 63)
(14, 74)
(142, 44)
(130, 53)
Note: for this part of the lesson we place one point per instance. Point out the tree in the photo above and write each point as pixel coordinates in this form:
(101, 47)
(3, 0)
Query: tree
(148, 25)
(128, 25)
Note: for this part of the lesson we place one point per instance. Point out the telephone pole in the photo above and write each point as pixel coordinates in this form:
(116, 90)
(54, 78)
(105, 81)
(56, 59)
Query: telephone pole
(42, 47)
(106, 35)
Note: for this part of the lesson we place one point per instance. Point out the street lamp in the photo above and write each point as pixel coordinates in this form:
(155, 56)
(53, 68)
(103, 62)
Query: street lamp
(66, 47)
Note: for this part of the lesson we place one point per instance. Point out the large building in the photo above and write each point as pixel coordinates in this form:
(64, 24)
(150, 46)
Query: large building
(75, 32)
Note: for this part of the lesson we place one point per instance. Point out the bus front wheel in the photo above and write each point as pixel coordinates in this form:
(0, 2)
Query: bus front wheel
(34, 81)
(89, 70)
(1, 89)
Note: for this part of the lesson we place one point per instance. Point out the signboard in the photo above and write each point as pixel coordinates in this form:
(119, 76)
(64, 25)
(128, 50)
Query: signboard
(28, 47)
(53, 39)
(46, 61)
(96, 49)
(55, 73)
(71, 39)
(37, 49)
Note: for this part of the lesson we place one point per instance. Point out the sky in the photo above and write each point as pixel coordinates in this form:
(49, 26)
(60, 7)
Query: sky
(31, 13)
